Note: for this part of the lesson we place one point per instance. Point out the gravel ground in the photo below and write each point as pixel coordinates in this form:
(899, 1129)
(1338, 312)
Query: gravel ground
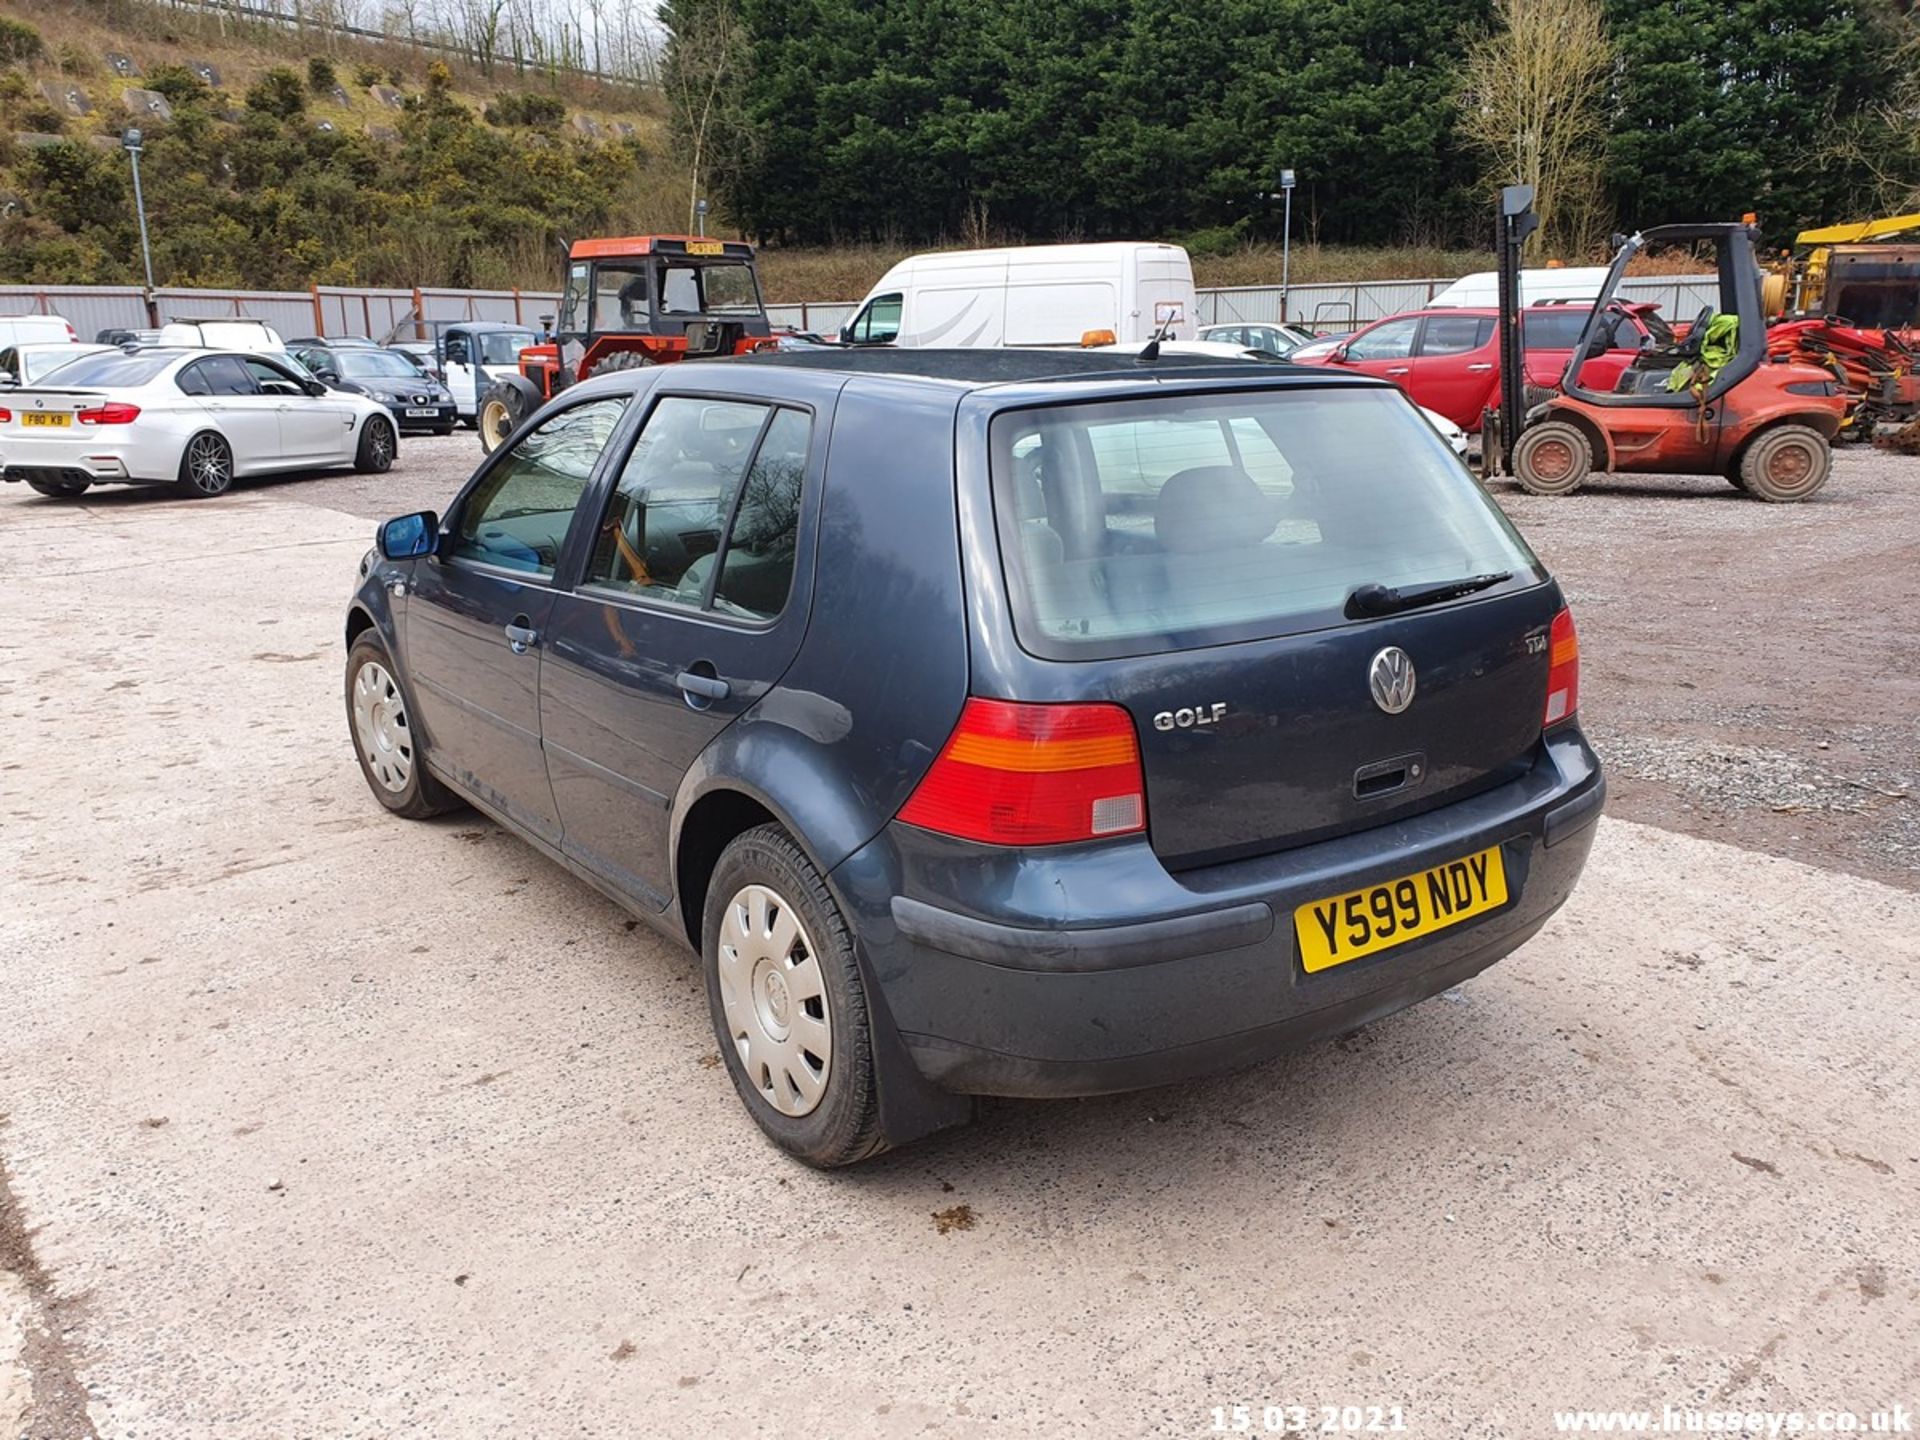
(318, 1123)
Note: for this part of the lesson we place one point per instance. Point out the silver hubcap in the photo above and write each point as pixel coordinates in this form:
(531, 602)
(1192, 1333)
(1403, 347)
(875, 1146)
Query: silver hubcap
(208, 465)
(381, 446)
(380, 725)
(775, 1000)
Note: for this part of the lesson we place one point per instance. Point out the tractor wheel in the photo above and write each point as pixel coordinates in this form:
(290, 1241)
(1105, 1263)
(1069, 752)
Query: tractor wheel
(625, 360)
(502, 409)
(1786, 464)
(1552, 458)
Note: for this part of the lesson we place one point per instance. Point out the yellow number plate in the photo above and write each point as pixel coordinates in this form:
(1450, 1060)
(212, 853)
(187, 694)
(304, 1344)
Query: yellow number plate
(31, 418)
(705, 247)
(1345, 927)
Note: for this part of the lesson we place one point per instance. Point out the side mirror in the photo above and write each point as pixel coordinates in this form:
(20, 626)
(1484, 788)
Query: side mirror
(315, 388)
(328, 374)
(1338, 355)
(7, 378)
(408, 537)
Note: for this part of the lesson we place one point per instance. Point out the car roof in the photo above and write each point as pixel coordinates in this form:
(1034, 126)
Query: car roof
(979, 369)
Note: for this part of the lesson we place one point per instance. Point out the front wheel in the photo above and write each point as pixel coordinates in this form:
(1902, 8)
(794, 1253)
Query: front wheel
(788, 1002)
(1786, 464)
(502, 409)
(378, 445)
(383, 736)
(206, 469)
(60, 489)
(1552, 458)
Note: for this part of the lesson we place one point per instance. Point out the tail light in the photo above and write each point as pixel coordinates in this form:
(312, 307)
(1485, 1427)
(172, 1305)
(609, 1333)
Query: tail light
(1014, 774)
(5, 416)
(114, 412)
(1563, 670)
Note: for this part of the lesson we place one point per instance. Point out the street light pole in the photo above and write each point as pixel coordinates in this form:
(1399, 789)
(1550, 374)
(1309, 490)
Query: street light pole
(1286, 242)
(131, 140)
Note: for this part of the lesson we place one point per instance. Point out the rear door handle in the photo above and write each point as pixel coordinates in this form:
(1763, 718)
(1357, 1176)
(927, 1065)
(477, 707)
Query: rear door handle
(521, 637)
(707, 687)
(1477, 368)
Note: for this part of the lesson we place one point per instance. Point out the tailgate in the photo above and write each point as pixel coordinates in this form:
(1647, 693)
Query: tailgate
(1272, 743)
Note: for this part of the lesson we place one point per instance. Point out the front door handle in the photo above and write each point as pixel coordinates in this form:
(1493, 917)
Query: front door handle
(1477, 368)
(1398, 369)
(521, 637)
(707, 687)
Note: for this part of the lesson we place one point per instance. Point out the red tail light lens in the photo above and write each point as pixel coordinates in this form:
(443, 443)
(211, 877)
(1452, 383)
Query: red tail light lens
(112, 413)
(1015, 774)
(5, 416)
(1563, 670)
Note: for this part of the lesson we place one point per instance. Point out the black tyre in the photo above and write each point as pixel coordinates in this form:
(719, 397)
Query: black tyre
(1786, 464)
(788, 1003)
(60, 489)
(206, 467)
(1552, 458)
(383, 736)
(378, 446)
(503, 409)
(442, 431)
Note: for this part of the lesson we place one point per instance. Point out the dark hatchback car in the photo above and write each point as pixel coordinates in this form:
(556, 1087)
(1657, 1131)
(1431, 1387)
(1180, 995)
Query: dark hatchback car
(415, 399)
(995, 722)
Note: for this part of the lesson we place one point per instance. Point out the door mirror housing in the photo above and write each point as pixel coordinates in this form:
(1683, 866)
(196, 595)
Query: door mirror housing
(315, 388)
(408, 537)
(7, 379)
(1339, 355)
(327, 373)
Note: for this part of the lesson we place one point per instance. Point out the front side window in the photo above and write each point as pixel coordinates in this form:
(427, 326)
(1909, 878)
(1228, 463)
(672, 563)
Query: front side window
(706, 511)
(517, 518)
(1392, 340)
(1139, 526)
(879, 323)
(271, 379)
(1556, 329)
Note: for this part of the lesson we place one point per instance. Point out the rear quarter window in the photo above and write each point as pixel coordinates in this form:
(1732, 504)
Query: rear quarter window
(1148, 525)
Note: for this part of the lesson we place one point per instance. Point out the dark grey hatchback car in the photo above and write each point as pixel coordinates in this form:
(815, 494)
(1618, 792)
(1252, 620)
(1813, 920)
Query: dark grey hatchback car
(995, 723)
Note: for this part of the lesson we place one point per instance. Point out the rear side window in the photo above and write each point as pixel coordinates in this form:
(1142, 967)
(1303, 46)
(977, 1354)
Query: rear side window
(1134, 527)
(1455, 334)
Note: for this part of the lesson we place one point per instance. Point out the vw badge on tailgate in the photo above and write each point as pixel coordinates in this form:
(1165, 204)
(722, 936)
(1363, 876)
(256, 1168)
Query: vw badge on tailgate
(1390, 677)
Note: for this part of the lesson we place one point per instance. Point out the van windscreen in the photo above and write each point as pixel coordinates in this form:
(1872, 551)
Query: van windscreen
(1138, 526)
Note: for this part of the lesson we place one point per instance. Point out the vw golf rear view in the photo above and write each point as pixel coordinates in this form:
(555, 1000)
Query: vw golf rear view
(996, 723)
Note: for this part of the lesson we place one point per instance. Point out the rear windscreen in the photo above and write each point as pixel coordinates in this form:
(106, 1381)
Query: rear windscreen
(115, 368)
(1143, 525)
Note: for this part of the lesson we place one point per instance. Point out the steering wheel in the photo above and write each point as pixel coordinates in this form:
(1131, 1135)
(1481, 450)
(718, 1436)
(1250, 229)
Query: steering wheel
(1697, 332)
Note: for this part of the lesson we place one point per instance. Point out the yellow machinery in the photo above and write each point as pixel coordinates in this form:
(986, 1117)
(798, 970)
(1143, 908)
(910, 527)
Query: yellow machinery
(1863, 271)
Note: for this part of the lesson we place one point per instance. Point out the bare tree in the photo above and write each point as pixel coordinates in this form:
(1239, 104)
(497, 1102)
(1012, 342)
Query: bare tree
(705, 53)
(1533, 98)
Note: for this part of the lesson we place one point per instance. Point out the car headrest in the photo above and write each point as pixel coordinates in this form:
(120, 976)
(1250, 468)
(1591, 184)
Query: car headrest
(1211, 508)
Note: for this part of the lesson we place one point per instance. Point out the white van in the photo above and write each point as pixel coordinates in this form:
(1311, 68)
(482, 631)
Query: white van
(1565, 282)
(225, 334)
(1029, 295)
(36, 330)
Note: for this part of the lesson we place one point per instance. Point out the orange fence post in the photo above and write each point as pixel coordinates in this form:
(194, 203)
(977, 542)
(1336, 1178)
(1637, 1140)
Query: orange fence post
(419, 315)
(319, 313)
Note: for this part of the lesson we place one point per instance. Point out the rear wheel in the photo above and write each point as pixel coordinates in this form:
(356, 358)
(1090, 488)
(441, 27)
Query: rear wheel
(1552, 458)
(60, 489)
(788, 1003)
(206, 468)
(377, 447)
(624, 360)
(1786, 464)
(383, 736)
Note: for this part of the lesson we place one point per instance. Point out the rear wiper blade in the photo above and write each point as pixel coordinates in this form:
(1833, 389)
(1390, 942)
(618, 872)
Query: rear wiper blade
(1371, 599)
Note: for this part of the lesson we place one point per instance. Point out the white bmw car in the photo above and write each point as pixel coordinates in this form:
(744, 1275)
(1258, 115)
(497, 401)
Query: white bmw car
(191, 419)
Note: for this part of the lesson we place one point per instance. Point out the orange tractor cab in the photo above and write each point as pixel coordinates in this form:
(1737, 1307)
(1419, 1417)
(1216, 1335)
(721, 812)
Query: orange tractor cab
(1711, 402)
(641, 300)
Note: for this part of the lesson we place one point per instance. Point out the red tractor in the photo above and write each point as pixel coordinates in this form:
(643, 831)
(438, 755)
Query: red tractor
(640, 300)
(1709, 403)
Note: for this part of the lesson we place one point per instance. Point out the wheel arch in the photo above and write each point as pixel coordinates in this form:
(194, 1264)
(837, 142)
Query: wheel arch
(1824, 421)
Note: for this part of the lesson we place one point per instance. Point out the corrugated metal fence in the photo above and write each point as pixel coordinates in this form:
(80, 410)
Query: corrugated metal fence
(348, 310)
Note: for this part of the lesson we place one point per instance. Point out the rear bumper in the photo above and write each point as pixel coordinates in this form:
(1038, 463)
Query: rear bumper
(95, 464)
(1091, 969)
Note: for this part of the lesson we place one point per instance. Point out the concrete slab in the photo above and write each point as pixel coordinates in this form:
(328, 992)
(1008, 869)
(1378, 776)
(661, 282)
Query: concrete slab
(148, 105)
(388, 96)
(122, 65)
(67, 97)
(328, 1124)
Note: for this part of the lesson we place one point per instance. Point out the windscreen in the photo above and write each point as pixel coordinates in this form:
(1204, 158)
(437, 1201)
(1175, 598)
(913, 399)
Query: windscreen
(1144, 525)
(374, 364)
(502, 347)
(707, 289)
(113, 368)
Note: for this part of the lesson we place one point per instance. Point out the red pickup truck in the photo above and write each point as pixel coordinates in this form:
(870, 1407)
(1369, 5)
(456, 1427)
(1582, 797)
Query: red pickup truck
(1449, 360)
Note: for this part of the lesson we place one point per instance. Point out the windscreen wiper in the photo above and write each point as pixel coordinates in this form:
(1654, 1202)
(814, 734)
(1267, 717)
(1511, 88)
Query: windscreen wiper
(1369, 600)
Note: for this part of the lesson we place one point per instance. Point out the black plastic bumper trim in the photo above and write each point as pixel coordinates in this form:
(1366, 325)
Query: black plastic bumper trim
(1107, 947)
(1576, 814)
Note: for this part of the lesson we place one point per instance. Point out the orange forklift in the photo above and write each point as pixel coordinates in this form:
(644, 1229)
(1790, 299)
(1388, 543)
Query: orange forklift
(638, 300)
(1709, 403)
